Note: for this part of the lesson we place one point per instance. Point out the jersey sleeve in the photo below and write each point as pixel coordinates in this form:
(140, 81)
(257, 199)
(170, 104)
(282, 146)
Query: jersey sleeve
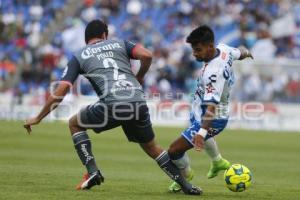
(130, 48)
(72, 71)
(236, 53)
(214, 85)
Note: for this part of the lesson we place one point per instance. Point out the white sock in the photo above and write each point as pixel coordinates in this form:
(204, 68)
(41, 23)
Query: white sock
(183, 164)
(212, 149)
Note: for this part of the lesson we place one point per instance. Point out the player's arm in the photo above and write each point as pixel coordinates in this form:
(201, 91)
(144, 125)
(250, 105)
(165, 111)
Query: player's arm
(69, 76)
(51, 103)
(54, 100)
(137, 51)
(206, 123)
(145, 56)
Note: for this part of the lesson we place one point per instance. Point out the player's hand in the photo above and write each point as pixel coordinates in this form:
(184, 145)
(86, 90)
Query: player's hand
(29, 122)
(245, 52)
(198, 141)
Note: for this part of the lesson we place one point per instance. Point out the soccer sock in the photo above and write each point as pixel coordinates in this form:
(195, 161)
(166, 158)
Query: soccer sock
(164, 162)
(83, 147)
(212, 150)
(183, 164)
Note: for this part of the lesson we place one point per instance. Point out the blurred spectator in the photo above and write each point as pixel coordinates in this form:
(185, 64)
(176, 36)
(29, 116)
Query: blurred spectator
(134, 7)
(41, 52)
(264, 48)
(293, 89)
(71, 40)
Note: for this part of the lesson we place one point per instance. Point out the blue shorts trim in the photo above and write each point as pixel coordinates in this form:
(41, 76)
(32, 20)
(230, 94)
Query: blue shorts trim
(218, 126)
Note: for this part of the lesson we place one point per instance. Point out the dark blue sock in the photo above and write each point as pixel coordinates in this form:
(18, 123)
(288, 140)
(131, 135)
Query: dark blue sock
(83, 147)
(164, 162)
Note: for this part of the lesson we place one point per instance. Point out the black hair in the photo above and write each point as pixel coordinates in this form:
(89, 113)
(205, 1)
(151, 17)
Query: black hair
(95, 29)
(203, 34)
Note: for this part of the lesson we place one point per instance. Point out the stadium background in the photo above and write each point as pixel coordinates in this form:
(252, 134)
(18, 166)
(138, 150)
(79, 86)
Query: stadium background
(37, 37)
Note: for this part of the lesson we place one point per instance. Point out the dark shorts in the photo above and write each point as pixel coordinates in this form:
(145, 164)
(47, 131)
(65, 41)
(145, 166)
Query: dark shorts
(133, 117)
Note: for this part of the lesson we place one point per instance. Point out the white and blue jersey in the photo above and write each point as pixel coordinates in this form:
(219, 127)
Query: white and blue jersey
(214, 85)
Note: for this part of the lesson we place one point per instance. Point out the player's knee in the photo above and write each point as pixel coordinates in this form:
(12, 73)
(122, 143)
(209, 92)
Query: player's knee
(71, 122)
(175, 152)
(172, 149)
(73, 125)
(152, 149)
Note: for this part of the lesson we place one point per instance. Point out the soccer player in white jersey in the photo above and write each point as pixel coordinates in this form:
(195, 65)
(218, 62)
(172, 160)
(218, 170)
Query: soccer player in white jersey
(210, 111)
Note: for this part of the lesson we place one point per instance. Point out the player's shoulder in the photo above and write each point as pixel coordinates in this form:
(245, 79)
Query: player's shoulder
(224, 47)
(223, 52)
(229, 52)
(217, 64)
(80, 54)
(115, 41)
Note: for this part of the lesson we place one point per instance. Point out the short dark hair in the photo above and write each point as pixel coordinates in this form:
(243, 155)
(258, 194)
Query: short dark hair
(95, 29)
(203, 34)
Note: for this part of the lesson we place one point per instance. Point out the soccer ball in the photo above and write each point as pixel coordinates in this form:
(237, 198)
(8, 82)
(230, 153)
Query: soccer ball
(237, 178)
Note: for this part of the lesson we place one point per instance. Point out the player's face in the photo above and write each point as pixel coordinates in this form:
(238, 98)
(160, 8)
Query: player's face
(202, 52)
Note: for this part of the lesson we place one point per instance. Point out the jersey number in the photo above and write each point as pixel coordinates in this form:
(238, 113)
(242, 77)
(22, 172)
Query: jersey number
(109, 62)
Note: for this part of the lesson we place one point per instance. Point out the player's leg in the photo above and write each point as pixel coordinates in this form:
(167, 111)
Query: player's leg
(179, 157)
(218, 163)
(96, 117)
(83, 148)
(163, 160)
(140, 130)
(82, 145)
(177, 151)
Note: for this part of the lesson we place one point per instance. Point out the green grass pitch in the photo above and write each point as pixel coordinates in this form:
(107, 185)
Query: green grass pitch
(44, 165)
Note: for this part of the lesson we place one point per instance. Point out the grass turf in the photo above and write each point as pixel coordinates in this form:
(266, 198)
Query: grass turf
(44, 165)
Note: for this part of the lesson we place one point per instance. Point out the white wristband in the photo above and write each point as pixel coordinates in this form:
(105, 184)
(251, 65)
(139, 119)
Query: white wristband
(202, 132)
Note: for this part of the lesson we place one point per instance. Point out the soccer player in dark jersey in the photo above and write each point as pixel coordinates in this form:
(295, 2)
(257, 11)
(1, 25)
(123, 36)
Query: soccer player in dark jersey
(106, 64)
